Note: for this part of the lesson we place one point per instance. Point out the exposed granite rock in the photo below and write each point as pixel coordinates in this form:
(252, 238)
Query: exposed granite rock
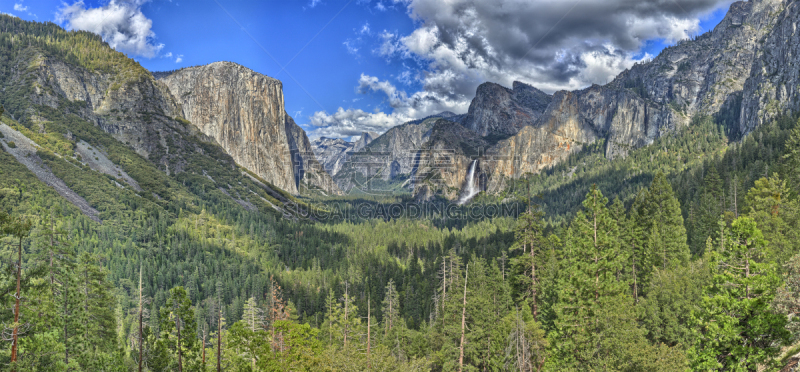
(243, 111)
(445, 159)
(365, 139)
(697, 77)
(391, 156)
(694, 78)
(25, 152)
(500, 111)
(332, 152)
(772, 89)
(136, 110)
(308, 172)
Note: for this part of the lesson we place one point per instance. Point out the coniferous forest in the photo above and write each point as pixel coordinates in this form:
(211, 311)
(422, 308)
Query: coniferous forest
(684, 255)
(698, 269)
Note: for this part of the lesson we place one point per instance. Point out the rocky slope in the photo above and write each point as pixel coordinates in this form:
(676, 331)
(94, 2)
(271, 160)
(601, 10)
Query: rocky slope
(444, 163)
(243, 111)
(392, 156)
(308, 172)
(101, 120)
(332, 152)
(500, 111)
(705, 76)
(24, 150)
(772, 87)
(130, 105)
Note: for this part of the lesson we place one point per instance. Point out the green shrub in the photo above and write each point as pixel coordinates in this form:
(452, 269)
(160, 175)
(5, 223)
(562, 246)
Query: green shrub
(11, 144)
(46, 154)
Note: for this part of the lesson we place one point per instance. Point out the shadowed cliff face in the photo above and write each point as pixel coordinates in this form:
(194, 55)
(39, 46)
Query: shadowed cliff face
(500, 111)
(332, 152)
(132, 106)
(772, 89)
(243, 111)
(390, 157)
(443, 164)
(308, 172)
(694, 78)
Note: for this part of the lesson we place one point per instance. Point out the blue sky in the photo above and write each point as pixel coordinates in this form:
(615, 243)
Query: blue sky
(353, 65)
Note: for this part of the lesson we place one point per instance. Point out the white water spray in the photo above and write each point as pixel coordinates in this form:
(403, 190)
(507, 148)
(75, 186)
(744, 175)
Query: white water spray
(472, 189)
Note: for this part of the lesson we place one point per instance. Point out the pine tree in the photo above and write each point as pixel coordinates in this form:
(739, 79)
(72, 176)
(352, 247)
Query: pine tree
(776, 214)
(530, 238)
(710, 207)
(791, 158)
(787, 298)
(179, 330)
(349, 320)
(659, 217)
(391, 307)
(592, 263)
(96, 323)
(526, 345)
(18, 228)
(631, 243)
(737, 328)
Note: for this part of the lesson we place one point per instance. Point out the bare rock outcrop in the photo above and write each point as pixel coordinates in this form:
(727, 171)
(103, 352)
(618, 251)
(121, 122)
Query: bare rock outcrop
(497, 110)
(308, 172)
(243, 111)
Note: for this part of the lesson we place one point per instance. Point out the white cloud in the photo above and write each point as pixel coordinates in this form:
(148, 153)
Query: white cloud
(352, 46)
(120, 23)
(179, 59)
(365, 30)
(551, 44)
(20, 8)
(350, 122)
(168, 55)
(314, 3)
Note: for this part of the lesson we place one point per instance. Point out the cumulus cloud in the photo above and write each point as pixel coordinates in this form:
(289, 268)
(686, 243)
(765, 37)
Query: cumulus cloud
(20, 8)
(351, 122)
(551, 44)
(405, 107)
(120, 23)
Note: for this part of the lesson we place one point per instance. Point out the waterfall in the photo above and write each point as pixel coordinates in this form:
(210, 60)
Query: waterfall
(471, 188)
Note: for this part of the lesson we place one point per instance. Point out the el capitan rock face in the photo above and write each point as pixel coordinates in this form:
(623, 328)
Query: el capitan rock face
(243, 111)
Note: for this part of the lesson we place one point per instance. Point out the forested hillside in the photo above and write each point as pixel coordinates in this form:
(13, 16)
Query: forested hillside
(682, 255)
(633, 286)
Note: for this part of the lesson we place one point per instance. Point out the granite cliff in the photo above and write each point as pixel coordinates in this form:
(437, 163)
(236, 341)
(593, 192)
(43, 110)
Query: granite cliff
(243, 111)
(772, 87)
(744, 62)
(392, 157)
(87, 110)
(500, 111)
(308, 172)
(332, 152)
